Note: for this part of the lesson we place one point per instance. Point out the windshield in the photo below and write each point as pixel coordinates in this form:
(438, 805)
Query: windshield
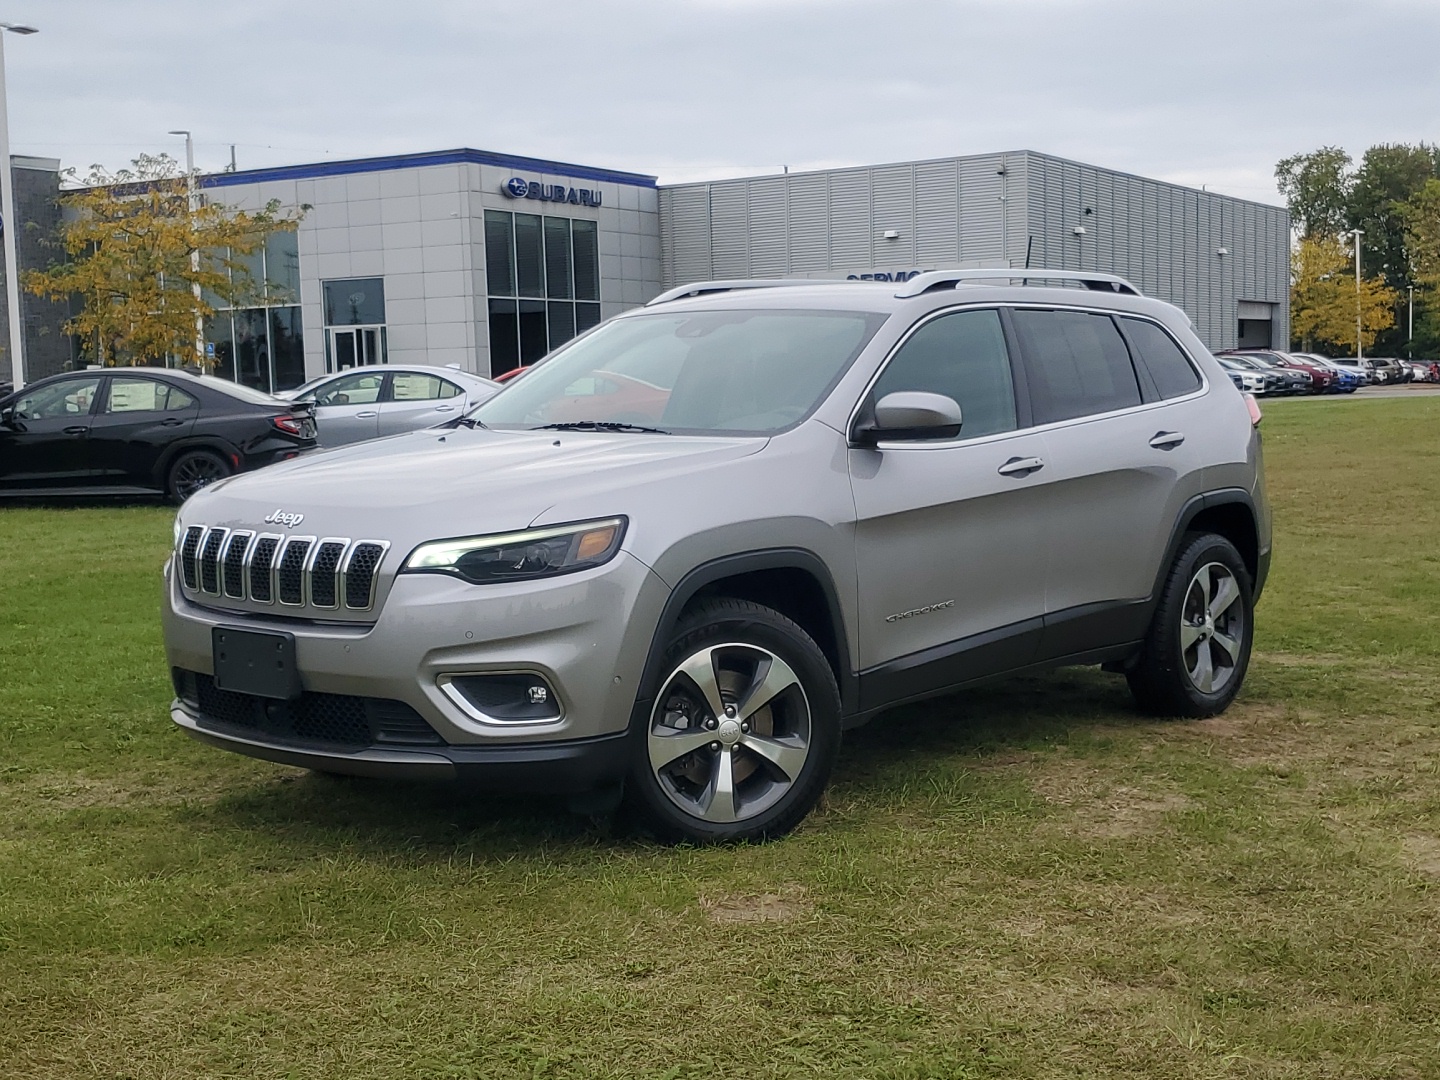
(751, 372)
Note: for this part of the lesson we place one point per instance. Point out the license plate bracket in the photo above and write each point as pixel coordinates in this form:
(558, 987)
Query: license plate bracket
(250, 662)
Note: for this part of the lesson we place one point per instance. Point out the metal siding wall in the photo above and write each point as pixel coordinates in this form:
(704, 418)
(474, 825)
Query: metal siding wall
(850, 219)
(768, 227)
(980, 208)
(729, 229)
(937, 211)
(685, 234)
(892, 206)
(809, 221)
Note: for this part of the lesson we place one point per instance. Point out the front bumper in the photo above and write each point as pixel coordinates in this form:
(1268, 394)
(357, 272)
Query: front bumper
(568, 766)
(586, 635)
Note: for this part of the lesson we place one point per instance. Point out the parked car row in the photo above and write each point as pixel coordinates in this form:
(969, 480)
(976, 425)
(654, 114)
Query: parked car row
(147, 431)
(1291, 373)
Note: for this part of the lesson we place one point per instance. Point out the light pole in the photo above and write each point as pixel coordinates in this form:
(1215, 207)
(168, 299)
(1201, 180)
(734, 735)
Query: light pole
(1410, 328)
(10, 222)
(1359, 342)
(193, 193)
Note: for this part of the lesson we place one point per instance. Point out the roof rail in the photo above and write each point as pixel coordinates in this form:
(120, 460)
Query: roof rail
(701, 288)
(938, 279)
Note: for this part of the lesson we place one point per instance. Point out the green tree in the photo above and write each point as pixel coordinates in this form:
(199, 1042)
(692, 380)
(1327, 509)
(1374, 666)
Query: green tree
(128, 238)
(1316, 188)
(1324, 299)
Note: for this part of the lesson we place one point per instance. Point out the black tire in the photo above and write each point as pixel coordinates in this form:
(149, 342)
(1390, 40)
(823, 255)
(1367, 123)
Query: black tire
(1193, 622)
(738, 642)
(192, 470)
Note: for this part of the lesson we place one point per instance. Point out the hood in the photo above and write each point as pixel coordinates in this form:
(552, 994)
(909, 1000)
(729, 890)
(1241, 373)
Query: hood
(432, 484)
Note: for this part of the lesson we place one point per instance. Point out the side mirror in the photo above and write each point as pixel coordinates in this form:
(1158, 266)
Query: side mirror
(7, 416)
(910, 414)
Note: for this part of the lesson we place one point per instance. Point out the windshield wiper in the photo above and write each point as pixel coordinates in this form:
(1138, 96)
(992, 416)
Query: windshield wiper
(600, 425)
(469, 421)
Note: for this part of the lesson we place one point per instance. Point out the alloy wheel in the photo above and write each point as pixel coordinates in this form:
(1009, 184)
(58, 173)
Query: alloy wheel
(1212, 628)
(195, 472)
(730, 734)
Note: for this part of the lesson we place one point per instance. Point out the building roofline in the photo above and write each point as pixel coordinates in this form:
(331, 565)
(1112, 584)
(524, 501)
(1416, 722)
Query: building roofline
(459, 156)
(973, 157)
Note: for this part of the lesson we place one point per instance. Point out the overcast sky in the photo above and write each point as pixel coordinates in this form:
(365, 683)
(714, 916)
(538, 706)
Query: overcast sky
(1200, 92)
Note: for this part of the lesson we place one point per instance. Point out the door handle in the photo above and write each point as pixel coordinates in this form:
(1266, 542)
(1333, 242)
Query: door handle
(444, 408)
(80, 430)
(1167, 440)
(369, 415)
(1021, 466)
(171, 421)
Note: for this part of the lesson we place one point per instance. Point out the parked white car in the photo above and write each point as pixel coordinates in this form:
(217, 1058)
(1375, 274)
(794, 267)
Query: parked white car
(387, 399)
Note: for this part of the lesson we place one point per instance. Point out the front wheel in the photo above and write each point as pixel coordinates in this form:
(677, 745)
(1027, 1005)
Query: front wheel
(1198, 647)
(744, 730)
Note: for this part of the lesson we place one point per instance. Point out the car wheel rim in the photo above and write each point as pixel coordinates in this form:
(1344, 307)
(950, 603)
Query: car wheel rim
(1212, 628)
(196, 473)
(730, 733)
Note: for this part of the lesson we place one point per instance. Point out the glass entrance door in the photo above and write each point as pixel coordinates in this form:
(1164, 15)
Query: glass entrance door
(353, 346)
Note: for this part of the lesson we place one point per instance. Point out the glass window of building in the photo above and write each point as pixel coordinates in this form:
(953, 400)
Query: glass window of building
(259, 341)
(543, 284)
(354, 322)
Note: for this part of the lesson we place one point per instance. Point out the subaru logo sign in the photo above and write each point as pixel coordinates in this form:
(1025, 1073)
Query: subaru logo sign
(519, 188)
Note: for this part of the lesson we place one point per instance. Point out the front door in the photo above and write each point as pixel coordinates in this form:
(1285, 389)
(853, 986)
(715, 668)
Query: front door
(354, 346)
(44, 439)
(950, 536)
(348, 409)
(419, 400)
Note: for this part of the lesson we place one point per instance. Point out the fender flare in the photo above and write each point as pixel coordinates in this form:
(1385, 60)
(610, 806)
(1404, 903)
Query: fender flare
(728, 566)
(1189, 512)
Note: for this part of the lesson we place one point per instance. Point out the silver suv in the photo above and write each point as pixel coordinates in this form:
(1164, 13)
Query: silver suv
(696, 544)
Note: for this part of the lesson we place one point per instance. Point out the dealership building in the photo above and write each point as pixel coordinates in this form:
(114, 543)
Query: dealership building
(489, 261)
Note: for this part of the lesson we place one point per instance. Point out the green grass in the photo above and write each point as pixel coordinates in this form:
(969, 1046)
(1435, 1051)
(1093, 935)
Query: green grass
(1028, 880)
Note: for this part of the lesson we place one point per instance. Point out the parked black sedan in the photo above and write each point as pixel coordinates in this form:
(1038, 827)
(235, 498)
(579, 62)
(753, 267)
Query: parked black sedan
(141, 431)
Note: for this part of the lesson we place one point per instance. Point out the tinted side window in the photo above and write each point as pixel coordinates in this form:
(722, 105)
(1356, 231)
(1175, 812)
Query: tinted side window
(1168, 367)
(962, 356)
(1077, 364)
(145, 395)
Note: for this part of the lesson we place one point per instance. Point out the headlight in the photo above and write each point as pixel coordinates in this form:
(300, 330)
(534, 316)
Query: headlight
(177, 530)
(521, 556)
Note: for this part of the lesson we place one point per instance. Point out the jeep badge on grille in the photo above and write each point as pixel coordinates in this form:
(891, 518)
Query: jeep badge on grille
(282, 517)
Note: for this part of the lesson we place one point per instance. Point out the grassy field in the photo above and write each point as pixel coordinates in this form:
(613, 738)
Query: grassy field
(1025, 881)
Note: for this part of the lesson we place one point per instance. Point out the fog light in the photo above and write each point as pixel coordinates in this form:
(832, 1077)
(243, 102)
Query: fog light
(502, 698)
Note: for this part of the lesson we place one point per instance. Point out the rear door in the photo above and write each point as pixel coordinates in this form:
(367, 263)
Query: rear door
(418, 399)
(138, 420)
(950, 535)
(44, 443)
(1123, 461)
(348, 409)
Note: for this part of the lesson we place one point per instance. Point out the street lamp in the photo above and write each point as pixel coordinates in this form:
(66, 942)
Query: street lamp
(1359, 342)
(1410, 329)
(10, 221)
(194, 203)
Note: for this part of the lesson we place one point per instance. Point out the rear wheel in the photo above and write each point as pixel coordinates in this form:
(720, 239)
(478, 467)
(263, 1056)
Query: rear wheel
(193, 470)
(744, 731)
(1198, 647)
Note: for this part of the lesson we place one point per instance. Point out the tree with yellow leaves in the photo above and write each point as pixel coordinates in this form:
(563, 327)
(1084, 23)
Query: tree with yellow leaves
(128, 238)
(1324, 300)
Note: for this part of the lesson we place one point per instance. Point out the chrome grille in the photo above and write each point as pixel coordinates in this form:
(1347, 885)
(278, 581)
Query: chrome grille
(232, 566)
(262, 561)
(210, 560)
(290, 570)
(331, 572)
(189, 551)
(325, 573)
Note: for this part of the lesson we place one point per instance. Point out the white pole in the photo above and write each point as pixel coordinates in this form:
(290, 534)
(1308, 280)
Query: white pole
(1359, 342)
(194, 198)
(12, 226)
(1410, 329)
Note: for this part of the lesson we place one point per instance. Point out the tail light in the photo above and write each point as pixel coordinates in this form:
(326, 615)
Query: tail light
(288, 424)
(1254, 407)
